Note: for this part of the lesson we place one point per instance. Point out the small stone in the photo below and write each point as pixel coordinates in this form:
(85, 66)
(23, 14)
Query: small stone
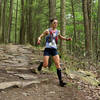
(26, 94)
(52, 92)
(89, 98)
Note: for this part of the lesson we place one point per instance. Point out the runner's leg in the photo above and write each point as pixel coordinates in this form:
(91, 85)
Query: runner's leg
(57, 63)
(44, 63)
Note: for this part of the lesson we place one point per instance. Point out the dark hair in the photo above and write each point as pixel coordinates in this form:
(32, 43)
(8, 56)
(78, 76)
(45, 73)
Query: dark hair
(51, 20)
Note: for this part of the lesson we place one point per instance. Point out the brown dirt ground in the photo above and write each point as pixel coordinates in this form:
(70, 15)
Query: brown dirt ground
(48, 90)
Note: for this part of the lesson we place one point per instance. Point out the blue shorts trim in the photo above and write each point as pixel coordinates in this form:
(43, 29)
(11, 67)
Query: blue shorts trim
(50, 52)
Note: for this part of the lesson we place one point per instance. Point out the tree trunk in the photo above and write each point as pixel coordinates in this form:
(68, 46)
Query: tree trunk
(63, 25)
(0, 12)
(99, 22)
(0, 19)
(73, 14)
(89, 4)
(27, 21)
(22, 27)
(98, 33)
(10, 20)
(86, 28)
(30, 23)
(52, 9)
(52, 14)
(16, 22)
(3, 22)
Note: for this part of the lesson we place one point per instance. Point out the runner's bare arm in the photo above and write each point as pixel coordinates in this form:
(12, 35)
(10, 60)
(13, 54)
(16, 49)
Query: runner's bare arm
(43, 34)
(64, 38)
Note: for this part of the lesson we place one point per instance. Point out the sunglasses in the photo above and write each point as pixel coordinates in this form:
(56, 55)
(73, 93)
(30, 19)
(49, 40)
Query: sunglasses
(55, 22)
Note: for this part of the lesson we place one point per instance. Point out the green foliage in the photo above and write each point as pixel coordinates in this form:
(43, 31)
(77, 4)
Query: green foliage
(40, 22)
(69, 30)
(53, 68)
(79, 16)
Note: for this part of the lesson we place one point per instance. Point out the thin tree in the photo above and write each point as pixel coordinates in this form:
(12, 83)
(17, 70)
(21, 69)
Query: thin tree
(99, 21)
(27, 20)
(30, 23)
(52, 9)
(62, 24)
(89, 8)
(10, 20)
(86, 27)
(0, 11)
(16, 22)
(98, 32)
(0, 19)
(22, 27)
(52, 14)
(74, 23)
(3, 21)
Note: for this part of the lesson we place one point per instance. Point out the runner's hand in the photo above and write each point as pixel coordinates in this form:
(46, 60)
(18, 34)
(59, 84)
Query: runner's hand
(69, 39)
(38, 42)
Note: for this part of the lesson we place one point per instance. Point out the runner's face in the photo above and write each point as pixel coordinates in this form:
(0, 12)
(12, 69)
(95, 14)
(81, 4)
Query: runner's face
(54, 23)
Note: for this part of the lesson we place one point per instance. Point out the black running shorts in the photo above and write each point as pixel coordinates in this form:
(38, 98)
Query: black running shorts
(50, 52)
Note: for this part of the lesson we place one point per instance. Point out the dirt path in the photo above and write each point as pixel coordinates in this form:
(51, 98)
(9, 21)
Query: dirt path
(16, 61)
(45, 91)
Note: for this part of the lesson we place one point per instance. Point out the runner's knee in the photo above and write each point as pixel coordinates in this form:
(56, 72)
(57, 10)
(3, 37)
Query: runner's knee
(45, 64)
(57, 65)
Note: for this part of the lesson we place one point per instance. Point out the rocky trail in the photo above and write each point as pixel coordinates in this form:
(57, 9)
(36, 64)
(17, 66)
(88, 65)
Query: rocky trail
(19, 79)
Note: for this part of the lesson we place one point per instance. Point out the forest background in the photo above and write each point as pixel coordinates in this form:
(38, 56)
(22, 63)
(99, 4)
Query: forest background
(22, 21)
